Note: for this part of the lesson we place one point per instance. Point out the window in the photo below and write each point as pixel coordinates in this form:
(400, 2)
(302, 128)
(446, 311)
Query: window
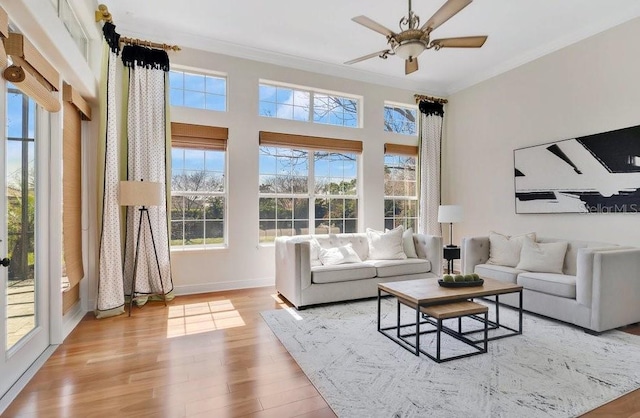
(198, 186)
(304, 190)
(198, 90)
(302, 104)
(400, 118)
(400, 186)
(74, 27)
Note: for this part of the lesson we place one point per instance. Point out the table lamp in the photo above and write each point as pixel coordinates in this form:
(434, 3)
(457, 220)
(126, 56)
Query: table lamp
(450, 214)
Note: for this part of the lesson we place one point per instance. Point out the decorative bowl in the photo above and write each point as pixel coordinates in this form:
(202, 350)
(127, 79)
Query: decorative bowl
(461, 284)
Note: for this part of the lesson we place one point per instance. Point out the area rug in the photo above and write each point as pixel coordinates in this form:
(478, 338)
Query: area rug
(552, 370)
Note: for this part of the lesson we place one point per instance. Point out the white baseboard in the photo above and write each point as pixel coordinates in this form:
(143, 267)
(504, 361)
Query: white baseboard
(72, 318)
(193, 289)
(221, 286)
(13, 392)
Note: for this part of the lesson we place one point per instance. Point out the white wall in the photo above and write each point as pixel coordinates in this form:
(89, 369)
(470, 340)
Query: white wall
(245, 263)
(586, 88)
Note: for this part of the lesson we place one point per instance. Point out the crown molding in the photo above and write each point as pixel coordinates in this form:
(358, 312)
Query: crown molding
(189, 40)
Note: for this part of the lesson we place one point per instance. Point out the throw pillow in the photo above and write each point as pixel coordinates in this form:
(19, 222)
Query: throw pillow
(542, 257)
(386, 245)
(314, 249)
(339, 255)
(505, 250)
(408, 245)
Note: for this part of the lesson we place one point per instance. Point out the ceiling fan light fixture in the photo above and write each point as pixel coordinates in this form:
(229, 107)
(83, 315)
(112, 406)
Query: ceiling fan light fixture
(410, 48)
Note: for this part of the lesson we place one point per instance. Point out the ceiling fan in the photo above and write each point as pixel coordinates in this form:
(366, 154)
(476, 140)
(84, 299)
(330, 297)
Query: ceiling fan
(413, 39)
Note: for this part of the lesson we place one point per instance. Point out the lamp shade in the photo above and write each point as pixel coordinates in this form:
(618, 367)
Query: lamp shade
(140, 193)
(450, 213)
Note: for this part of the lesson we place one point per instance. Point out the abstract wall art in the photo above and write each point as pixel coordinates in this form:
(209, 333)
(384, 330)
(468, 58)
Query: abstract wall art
(591, 174)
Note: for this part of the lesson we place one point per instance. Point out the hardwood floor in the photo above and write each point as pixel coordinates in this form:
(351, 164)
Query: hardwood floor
(208, 355)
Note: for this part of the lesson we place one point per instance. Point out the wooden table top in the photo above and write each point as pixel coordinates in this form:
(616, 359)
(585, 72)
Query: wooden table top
(428, 291)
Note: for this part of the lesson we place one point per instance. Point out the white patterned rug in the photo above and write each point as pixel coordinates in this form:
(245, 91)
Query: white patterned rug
(552, 370)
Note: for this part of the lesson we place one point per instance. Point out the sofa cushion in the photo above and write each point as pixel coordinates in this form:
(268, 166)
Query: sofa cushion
(339, 255)
(388, 268)
(504, 250)
(542, 257)
(551, 283)
(500, 273)
(357, 240)
(342, 273)
(386, 245)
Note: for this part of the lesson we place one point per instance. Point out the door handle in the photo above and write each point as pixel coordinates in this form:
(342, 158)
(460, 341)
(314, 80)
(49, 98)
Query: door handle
(5, 262)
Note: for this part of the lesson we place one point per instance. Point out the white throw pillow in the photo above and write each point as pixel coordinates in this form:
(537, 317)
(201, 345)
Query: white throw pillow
(542, 257)
(339, 255)
(505, 250)
(386, 245)
(408, 245)
(314, 249)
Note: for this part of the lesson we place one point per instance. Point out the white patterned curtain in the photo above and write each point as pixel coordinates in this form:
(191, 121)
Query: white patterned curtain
(110, 289)
(147, 160)
(432, 115)
(139, 153)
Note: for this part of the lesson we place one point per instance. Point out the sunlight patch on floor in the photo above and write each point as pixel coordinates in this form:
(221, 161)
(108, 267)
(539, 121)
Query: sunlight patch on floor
(292, 311)
(196, 318)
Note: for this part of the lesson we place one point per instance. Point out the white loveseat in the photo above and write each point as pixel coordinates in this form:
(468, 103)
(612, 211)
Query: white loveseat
(598, 288)
(304, 282)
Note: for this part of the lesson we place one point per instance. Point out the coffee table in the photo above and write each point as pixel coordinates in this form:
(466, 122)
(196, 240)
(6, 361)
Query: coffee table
(421, 293)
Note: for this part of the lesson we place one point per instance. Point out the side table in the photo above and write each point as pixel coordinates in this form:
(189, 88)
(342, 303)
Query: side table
(450, 254)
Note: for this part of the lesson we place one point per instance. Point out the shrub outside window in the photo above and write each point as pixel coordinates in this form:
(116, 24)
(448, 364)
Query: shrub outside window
(401, 191)
(294, 180)
(198, 197)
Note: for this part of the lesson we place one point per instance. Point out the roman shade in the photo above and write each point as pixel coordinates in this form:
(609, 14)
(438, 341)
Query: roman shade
(31, 72)
(199, 136)
(72, 194)
(277, 139)
(397, 149)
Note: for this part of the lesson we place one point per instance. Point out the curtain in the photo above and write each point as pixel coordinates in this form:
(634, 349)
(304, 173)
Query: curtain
(147, 159)
(432, 115)
(110, 288)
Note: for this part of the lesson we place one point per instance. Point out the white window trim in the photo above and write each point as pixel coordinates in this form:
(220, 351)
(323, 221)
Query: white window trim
(312, 195)
(407, 106)
(200, 71)
(311, 91)
(225, 242)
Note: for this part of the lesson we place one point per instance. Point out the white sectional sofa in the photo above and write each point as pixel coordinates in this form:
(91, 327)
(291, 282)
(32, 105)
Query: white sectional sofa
(303, 280)
(598, 287)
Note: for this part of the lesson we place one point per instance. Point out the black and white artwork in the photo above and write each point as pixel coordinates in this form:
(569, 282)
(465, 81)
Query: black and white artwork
(590, 174)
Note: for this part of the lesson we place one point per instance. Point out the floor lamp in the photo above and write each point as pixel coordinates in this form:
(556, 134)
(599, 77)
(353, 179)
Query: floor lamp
(142, 194)
(450, 214)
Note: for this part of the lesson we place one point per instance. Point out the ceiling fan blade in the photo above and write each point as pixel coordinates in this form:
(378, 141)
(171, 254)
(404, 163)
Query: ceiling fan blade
(462, 42)
(410, 65)
(373, 25)
(366, 57)
(446, 12)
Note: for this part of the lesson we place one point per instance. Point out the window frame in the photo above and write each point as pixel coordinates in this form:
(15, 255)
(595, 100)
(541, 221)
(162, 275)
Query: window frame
(311, 195)
(205, 73)
(402, 151)
(193, 138)
(391, 104)
(311, 110)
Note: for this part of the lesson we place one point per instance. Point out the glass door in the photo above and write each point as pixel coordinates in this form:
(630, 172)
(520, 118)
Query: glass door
(25, 325)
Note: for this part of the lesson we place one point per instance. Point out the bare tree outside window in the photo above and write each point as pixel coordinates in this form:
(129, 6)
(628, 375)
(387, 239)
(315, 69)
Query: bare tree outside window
(290, 199)
(308, 105)
(401, 191)
(197, 197)
(400, 119)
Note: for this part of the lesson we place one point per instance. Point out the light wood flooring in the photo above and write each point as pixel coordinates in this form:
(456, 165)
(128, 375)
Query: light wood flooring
(208, 355)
